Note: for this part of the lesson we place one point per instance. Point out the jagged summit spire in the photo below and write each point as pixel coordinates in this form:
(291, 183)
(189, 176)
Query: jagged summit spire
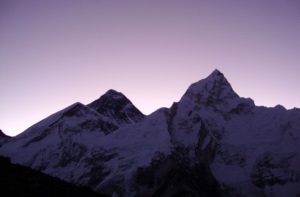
(216, 75)
(216, 72)
(115, 105)
(213, 87)
(213, 92)
(214, 80)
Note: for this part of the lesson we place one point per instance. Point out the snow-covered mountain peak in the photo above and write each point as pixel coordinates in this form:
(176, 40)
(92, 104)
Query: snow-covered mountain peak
(215, 85)
(117, 107)
(213, 91)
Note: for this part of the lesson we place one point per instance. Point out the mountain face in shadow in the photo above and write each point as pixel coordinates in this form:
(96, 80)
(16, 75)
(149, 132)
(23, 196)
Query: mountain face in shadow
(211, 143)
(17, 180)
(117, 107)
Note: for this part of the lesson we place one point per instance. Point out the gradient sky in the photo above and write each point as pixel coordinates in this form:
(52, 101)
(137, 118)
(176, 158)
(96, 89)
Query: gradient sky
(55, 52)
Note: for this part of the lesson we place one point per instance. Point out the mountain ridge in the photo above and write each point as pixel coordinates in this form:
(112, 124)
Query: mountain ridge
(210, 136)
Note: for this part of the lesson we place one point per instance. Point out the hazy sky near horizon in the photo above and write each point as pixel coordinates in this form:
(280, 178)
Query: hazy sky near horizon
(57, 52)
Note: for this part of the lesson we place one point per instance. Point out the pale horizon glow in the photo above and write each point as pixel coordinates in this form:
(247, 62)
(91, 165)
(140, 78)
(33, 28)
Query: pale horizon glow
(57, 52)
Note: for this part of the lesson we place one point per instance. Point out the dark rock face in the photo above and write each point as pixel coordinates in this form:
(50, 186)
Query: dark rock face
(176, 175)
(116, 106)
(269, 170)
(97, 172)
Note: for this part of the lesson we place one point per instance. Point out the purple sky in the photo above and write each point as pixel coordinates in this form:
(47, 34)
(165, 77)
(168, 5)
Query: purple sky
(54, 53)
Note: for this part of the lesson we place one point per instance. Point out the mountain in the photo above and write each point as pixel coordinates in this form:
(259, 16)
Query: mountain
(210, 143)
(58, 144)
(117, 107)
(252, 151)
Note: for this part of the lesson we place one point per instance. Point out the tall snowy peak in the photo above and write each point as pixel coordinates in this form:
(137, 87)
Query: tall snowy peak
(252, 150)
(212, 89)
(209, 100)
(213, 92)
(117, 107)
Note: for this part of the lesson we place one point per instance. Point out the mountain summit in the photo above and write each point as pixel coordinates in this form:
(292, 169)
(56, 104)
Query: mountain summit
(213, 89)
(117, 107)
(210, 143)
